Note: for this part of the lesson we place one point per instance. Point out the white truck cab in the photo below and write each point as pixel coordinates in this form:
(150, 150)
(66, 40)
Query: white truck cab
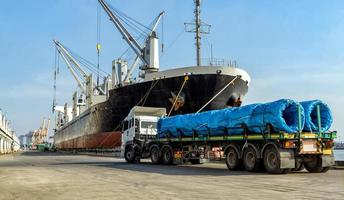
(140, 126)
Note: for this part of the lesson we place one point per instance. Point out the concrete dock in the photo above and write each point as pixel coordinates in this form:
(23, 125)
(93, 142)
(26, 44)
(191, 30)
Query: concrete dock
(35, 175)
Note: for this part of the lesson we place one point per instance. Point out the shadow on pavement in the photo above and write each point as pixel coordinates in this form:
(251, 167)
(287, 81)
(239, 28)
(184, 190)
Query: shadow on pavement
(175, 170)
(46, 153)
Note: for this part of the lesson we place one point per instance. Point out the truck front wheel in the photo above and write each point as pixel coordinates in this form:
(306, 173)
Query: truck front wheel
(167, 155)
(130, 155)
(314, 165)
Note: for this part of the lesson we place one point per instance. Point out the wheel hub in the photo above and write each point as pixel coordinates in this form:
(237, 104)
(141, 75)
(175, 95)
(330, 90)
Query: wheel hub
(250, 159)
(155, 155)
(231, 158)
(272, 160)
(130, 154)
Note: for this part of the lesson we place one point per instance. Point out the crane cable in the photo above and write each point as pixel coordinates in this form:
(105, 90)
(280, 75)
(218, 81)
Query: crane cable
(55, 77)
(98, 41)
(162, 34)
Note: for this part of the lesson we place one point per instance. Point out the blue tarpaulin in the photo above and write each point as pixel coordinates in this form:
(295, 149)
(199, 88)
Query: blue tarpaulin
(311, 120)
(281, 114)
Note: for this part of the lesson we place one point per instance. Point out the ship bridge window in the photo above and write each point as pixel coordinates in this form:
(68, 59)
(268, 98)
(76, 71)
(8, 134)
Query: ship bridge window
(148, 125)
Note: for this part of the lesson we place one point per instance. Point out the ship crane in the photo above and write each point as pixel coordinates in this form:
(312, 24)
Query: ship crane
(75, 68)
(91, 93)
(148, 53)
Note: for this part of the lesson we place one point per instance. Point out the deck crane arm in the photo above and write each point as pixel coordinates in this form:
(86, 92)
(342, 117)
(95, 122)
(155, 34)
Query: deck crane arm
(152, 33)
(124, 32)
(72, 62)
(71, 58)
(62, 52)
(156, 22)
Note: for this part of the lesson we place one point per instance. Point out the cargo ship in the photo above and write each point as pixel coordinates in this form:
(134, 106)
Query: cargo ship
(95, 120)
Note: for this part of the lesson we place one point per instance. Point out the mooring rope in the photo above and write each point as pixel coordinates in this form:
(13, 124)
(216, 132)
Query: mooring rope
(230, 83)
(186, 78)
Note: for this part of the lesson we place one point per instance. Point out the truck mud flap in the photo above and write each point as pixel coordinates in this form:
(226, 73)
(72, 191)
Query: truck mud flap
(287, 158)
(327, 160)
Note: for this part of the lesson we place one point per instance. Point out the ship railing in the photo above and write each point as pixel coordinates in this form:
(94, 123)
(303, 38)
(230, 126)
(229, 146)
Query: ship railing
(217, 62)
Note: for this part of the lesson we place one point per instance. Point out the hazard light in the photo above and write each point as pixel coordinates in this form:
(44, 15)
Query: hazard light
(289, 144)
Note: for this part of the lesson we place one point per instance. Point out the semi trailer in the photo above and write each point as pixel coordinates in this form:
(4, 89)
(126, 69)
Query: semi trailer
(275, 152)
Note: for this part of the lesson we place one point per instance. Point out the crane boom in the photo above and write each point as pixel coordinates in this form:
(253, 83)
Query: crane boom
(156, 22)
(81, 86)
(124, 32)
(71, 58)
(73, 74)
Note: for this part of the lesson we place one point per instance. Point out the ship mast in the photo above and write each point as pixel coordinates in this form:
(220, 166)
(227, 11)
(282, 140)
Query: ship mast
(198, 27)
(198, 30)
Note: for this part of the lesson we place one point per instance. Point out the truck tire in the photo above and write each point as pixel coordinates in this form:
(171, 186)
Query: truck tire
(298, 166)
(130, 155)
(155, 155)
(272, 161)
(251, 161)
(167, 155)
(325, 169)
(195, 161)
(314, 165)
(232, 160)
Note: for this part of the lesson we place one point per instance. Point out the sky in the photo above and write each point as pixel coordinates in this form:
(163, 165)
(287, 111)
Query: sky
(291, 48)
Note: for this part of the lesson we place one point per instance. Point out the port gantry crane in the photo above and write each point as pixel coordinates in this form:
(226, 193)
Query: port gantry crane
(40, 135)
(148, 53)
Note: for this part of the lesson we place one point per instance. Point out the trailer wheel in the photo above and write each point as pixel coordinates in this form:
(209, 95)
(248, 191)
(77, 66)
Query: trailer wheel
(195, 161)
(314, 165)
(272, 161)
(325, 169)
(298, 166)
(167, 155)
(232, 159)
(251, 160)
(155, 157)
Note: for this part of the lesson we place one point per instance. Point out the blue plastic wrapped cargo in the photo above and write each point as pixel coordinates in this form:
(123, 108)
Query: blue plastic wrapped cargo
(238, 118)
(189, 124)
(311, 114)
(214, 123)
(282, 115)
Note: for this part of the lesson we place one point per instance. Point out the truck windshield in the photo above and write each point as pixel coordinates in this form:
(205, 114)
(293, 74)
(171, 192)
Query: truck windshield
(148, 124)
